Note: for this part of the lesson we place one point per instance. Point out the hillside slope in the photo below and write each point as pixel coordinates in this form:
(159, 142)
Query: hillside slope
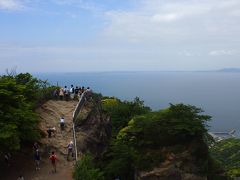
(50, 113)
(23, 163)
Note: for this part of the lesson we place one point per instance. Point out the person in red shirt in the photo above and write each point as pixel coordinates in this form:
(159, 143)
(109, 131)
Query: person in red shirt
(53, 159)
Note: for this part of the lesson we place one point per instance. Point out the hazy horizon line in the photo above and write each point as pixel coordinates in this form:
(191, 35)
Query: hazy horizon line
(130, 71)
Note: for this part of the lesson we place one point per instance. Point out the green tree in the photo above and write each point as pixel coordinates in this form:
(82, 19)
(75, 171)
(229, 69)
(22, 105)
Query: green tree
(178, 123)
(36, 91)
(227, 152)
(20, 94)
(85, 169)
(138, 145)
(18, 123)
(122, 111)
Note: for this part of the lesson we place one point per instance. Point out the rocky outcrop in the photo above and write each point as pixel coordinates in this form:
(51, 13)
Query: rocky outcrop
(179, 164)
(175, 167)
(93, 128)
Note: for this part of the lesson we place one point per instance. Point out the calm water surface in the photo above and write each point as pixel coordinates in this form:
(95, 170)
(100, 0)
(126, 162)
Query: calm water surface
(217, 93)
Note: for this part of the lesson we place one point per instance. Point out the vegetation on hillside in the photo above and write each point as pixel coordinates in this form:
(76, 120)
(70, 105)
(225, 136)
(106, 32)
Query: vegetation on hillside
(122, 111)
(140, 135)
(85, 169)
(20, 94)
(227, 153)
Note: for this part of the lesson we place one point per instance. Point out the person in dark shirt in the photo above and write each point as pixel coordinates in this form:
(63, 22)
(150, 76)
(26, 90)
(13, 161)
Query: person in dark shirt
(36, 146)
(51, 131)
(37, 159)
(76, 90)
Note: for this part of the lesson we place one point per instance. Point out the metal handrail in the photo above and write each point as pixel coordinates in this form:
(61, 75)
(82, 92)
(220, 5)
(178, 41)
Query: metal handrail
(75, 114)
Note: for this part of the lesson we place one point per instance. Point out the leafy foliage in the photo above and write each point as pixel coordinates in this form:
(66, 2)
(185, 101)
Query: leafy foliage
(227, 152)
(179, 123)
(36, 91)
(86, 170)
(138, 145)
(121, 112)
(118, 161)
(19, 95)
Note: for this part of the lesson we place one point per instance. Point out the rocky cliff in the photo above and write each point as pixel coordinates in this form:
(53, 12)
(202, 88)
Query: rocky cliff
(181, 165)
(93, 128)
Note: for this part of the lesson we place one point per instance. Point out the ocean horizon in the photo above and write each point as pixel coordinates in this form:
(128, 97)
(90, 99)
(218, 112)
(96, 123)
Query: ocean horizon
(216, 92)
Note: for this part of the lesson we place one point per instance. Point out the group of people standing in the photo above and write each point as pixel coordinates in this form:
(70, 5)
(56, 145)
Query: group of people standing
(65, 93)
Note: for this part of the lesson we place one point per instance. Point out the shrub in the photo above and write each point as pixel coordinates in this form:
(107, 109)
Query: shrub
(85, 169)
(122, 111)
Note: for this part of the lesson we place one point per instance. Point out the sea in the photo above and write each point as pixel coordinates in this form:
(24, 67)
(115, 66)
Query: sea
(217, 93)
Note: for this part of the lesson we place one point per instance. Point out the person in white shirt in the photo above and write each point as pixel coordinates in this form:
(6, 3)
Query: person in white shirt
(72, 92)
(62, 123)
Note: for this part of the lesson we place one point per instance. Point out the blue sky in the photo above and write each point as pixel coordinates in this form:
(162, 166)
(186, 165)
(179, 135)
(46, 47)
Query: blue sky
(113, 35)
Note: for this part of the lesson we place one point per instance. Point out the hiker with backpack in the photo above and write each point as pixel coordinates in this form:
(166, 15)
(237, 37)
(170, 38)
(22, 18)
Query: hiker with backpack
(69, 149)
(53, 159)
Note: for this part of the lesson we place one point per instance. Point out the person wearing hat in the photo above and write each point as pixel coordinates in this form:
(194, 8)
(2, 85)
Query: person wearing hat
(70, 149)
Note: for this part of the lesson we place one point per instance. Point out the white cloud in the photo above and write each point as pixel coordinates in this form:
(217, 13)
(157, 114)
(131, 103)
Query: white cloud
(223, 52)
(175, 21)
(11, 5)
(153, 35)
(189, 53)
(165, 17)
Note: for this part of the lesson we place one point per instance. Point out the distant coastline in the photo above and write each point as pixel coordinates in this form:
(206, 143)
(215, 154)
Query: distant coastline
(235, 70)
(227, 70)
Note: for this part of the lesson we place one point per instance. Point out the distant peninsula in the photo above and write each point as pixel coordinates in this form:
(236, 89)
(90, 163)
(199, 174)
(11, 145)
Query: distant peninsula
(229, 70)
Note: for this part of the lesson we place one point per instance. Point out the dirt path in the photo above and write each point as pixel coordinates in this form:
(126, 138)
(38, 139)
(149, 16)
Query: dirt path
(50, 113)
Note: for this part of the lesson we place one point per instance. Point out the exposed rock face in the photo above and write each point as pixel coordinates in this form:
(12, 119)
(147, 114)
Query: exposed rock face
(93, 129)
(168, 174)
(178, 165)
(169, 170)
